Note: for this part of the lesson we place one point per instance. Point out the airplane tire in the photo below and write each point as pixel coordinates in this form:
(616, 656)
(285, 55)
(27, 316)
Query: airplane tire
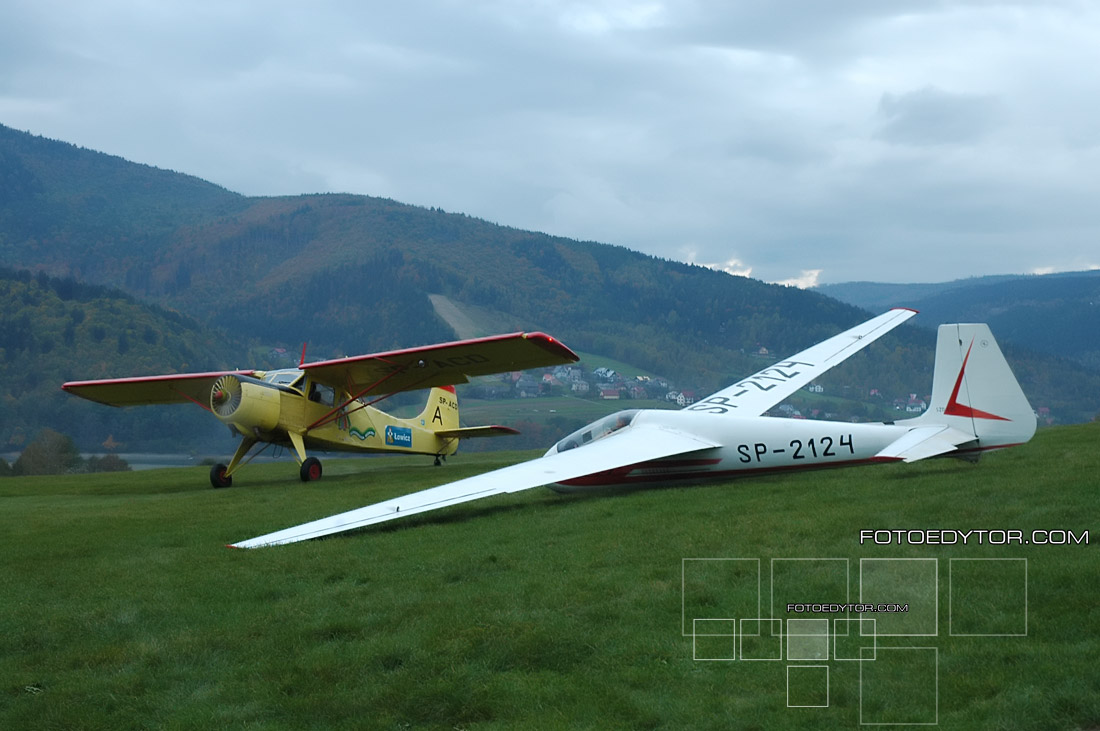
(311, 470)
(218, 478)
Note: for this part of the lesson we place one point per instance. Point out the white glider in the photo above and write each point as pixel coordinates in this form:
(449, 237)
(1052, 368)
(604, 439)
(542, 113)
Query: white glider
(977, 405)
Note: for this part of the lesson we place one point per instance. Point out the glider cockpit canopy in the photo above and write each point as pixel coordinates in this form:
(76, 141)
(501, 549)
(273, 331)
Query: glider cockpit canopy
(596, 430)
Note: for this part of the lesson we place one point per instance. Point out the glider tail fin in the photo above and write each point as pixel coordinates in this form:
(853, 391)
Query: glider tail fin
(974, 390)
(441, 411)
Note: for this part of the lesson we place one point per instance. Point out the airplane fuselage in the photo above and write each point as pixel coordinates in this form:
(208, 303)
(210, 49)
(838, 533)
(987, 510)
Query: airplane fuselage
(749, 446)
(270, 412)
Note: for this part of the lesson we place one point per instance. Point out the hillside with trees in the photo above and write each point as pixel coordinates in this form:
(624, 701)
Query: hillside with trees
(54, 330)
(1052, 313)
(352, 274)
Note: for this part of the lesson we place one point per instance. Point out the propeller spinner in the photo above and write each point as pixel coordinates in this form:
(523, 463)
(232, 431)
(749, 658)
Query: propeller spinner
(225, 395)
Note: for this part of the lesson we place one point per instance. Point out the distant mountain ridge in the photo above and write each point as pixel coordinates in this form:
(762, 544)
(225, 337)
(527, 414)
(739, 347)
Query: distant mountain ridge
(353, 274)
(1057, 313)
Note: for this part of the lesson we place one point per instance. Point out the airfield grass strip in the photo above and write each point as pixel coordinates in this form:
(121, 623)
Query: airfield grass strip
(122, 608)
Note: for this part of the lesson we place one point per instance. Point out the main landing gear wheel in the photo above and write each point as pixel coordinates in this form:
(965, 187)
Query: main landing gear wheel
(311, 470)
(218, 478)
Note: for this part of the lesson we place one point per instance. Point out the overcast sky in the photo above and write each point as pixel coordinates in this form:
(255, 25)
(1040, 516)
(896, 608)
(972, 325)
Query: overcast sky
(791, 141)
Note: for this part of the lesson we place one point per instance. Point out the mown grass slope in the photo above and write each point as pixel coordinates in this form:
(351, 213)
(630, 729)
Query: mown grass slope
(122, 608)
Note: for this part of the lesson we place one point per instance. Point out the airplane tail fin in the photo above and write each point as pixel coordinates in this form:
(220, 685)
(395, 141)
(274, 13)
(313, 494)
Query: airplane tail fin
(441, 416)
(441, 411)
(974, 392)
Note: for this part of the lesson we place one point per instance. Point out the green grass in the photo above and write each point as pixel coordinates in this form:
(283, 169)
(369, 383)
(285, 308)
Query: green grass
(121, 608)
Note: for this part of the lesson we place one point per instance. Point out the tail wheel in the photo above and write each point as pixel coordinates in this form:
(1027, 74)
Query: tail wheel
(311, 470)
(218, 478)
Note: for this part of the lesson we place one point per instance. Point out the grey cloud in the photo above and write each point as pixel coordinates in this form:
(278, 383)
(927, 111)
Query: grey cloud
(862, 138)
(932, 116)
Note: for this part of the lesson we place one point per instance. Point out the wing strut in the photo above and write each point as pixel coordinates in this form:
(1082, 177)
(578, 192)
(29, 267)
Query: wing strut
(195, 401)
(338, 412)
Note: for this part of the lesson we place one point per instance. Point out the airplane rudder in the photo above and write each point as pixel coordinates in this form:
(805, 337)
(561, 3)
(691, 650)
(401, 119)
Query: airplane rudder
(974, 386)
(947, 364)
(441, 411)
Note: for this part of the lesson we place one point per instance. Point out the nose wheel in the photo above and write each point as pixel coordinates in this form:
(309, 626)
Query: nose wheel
(311, 469)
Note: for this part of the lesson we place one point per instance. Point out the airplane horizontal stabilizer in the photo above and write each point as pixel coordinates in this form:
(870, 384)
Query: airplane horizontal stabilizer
(923, 442)
(630, 446)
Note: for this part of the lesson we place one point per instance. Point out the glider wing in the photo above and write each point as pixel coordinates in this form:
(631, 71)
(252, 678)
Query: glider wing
(440, 365)
(468, 432)
(759, 392)
(628, 447)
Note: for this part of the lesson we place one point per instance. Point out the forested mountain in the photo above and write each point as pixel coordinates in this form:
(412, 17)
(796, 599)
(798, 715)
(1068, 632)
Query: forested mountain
(353, 274)
(55, 330)
(1057, 314)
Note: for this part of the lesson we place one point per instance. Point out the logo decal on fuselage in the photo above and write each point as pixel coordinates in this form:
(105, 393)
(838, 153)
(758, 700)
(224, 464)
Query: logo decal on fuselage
(363, 435)
(399, 436)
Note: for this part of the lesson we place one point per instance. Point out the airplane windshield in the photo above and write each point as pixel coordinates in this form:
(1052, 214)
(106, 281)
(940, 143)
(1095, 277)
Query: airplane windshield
(283, 378)
(597, 430)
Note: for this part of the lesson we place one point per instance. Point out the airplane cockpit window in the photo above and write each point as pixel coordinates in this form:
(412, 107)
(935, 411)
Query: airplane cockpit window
(284, 378)
(597, 430)
(322, 394)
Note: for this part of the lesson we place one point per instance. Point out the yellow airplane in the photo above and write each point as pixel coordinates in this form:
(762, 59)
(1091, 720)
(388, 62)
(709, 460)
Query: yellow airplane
(323, 405)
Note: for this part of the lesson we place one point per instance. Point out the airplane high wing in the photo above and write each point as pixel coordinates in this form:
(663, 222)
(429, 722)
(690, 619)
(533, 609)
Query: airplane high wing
(724, 436)
(439, 365)
(319, 405)
(177, 388)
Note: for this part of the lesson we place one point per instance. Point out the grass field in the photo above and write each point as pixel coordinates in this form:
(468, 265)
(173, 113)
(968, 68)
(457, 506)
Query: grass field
(121, 608)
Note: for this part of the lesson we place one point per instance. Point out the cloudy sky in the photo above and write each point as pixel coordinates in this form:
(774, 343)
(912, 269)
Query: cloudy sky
(791, 141)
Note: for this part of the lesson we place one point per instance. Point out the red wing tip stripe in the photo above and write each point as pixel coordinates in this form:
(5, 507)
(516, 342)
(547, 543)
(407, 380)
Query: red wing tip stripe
(908, 309)
(153, 379)
(555, 346)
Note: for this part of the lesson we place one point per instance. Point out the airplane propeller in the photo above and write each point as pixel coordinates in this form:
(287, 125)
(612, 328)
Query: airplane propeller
(225, 395)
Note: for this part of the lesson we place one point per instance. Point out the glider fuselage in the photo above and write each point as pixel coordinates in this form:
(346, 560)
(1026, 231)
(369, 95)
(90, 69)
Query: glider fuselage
(748, 446)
